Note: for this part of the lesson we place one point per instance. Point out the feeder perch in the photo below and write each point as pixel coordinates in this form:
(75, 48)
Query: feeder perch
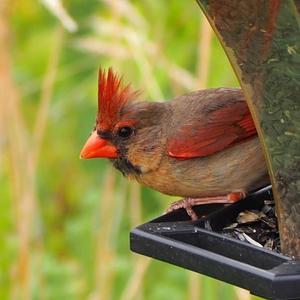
(175, 239)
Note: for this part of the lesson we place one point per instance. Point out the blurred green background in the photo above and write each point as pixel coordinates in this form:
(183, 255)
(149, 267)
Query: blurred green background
(65, 222)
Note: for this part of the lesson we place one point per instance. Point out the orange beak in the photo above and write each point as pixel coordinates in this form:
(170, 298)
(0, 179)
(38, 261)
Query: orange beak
(98, 147)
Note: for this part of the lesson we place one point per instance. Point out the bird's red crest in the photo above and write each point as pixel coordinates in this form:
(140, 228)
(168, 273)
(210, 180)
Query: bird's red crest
(112, 97)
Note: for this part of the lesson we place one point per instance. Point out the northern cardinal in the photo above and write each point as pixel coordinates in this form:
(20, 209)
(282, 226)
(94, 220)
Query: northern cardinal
(202, 146)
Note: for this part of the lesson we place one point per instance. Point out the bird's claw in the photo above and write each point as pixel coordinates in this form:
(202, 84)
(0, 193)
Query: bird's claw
(186, 204)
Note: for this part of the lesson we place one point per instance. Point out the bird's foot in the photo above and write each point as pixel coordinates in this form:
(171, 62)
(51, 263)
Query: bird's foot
(188, 203)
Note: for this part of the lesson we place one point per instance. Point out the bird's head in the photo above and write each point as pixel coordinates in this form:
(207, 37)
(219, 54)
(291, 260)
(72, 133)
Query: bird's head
(127, 131)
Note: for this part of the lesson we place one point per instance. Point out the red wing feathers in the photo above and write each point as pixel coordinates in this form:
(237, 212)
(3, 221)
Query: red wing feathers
(222, 128)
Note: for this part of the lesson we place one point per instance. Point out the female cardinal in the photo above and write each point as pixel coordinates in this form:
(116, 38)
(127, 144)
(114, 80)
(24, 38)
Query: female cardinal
(202, 146)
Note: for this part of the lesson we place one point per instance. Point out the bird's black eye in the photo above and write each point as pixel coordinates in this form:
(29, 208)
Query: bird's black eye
(125, 132)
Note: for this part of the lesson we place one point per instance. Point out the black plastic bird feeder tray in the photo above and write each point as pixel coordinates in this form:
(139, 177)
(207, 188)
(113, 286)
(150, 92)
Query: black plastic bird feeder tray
(197, 246)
